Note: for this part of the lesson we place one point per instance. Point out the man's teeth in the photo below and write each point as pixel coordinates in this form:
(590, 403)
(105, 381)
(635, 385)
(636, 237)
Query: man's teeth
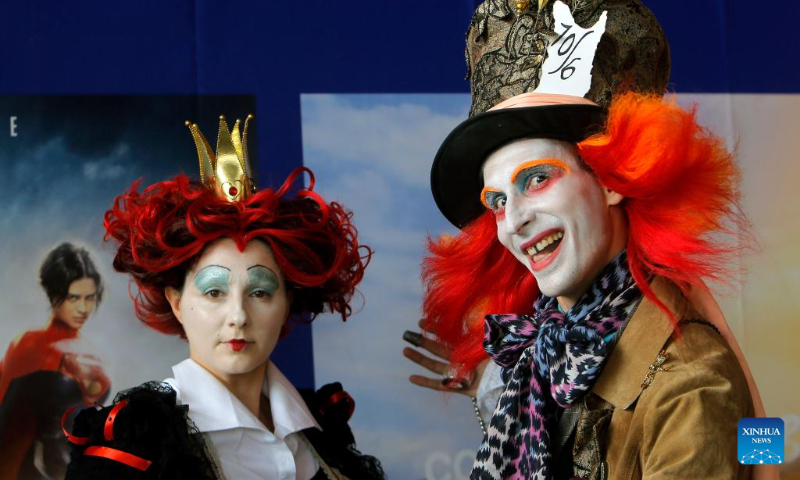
(544, 243)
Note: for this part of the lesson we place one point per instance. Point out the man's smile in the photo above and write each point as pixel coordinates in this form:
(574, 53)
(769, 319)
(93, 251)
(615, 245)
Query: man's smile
(543, 248)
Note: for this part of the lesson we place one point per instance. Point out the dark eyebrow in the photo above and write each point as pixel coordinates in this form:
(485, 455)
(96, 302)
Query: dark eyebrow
(264, 267)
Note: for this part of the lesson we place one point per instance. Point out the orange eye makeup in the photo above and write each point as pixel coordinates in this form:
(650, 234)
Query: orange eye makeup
(527, 178)
(542, 162)
(530, 177)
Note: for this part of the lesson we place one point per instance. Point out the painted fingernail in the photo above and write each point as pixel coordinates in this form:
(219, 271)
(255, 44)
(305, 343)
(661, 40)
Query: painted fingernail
(413, 338)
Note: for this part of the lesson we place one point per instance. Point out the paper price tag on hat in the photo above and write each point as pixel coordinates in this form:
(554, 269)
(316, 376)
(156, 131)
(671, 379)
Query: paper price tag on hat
(568, 67)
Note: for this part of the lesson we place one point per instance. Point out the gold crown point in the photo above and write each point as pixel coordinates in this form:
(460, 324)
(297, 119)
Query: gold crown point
(228, 171)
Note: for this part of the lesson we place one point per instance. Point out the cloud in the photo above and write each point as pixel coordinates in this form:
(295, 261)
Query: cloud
(402, 138)
(109, 168)
(373, 154)
(97, 171)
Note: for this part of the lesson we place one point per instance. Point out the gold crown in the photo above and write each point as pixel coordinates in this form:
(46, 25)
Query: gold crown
(228, 172)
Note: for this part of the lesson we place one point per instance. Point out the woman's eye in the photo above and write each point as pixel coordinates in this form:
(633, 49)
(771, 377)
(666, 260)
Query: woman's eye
(214, 293)
(260, 294)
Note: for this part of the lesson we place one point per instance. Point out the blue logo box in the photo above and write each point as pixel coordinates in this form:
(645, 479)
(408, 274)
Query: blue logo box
(761, 441)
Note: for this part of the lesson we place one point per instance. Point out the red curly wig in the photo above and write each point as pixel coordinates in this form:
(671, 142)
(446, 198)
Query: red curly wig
(680, 185)
(163, 230)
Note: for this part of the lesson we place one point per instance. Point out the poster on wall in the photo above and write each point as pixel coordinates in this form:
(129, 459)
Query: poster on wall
(374, 152)
(68, 334)
(68, 338)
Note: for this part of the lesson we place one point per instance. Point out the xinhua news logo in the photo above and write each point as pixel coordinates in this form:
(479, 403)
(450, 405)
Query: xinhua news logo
(761, 441)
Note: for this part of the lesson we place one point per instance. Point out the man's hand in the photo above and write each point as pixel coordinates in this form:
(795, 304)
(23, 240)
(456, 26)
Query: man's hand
(439, 364)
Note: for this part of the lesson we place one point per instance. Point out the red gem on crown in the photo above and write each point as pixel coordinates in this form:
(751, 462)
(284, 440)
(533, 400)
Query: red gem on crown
(233, 191)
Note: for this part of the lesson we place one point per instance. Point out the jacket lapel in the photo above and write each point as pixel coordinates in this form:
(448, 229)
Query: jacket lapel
(620, 383)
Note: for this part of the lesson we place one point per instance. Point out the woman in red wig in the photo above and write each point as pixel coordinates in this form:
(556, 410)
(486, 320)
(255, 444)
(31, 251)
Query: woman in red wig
(226, 267)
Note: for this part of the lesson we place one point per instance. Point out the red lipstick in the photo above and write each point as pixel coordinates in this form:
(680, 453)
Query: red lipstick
(542, 264)
(237, 344)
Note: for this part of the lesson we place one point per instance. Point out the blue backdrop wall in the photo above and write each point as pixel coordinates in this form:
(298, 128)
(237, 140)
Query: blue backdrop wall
(280, 50)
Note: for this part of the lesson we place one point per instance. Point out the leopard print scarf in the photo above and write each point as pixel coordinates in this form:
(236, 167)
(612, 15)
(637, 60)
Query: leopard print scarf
(549, 360)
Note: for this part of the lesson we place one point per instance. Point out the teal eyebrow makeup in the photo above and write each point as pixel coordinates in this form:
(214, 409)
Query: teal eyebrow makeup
(260, 277)
(213, 277)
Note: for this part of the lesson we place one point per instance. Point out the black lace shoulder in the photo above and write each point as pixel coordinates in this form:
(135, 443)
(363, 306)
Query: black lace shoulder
(150, 427)
(332, 407)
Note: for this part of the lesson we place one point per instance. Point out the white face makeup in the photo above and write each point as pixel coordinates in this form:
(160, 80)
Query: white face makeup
(552, 214)
(232, 307)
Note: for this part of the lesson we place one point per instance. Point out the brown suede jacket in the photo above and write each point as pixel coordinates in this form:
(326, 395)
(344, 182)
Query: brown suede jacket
(667, 404)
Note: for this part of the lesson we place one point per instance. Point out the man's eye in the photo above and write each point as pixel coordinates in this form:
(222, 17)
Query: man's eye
(537, 179)
(498, 205)
(495, 202)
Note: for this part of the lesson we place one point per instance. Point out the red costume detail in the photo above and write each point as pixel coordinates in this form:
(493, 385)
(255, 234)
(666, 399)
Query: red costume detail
(138, 463)
(108, 430)
(70, 437)
(113, 454)
(38, 350)
(336, 398)
(43, 350)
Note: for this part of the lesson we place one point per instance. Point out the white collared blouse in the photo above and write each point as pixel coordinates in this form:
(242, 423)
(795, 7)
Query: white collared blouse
(244, 448)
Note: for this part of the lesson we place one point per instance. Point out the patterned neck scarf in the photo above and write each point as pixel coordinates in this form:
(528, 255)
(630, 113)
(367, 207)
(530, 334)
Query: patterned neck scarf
(549, 360)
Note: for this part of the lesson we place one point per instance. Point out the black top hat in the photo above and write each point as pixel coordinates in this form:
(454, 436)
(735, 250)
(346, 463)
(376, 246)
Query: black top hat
(506, 52)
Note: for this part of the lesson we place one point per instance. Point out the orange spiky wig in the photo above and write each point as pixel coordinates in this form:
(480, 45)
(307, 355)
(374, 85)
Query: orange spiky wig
(680, 185)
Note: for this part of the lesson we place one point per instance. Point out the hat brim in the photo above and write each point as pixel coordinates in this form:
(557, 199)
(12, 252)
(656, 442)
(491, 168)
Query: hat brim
(456, 179)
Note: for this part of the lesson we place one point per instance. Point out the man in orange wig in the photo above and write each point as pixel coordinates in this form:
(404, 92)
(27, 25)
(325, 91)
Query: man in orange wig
(590, 212)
